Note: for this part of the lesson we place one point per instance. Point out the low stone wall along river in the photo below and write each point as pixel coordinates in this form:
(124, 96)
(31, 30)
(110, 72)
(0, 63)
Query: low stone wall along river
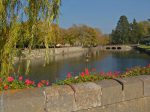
(118, 95)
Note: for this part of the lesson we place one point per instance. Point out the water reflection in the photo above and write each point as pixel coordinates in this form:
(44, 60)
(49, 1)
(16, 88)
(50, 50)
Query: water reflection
(60, 65)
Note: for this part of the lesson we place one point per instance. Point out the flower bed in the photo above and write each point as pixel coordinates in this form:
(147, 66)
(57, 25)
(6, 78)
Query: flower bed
(88, 76)
(11, 82)
(85, 76)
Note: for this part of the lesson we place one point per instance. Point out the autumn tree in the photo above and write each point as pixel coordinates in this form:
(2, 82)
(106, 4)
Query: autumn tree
(82, 35)
(144, 27)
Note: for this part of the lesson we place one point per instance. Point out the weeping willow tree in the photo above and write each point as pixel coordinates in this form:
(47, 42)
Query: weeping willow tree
(15, 12)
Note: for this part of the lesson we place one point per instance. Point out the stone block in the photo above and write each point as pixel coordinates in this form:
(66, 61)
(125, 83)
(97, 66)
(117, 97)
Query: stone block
(27, 100)
(87, 95)
(135, 105)
(146, 84)
(132, 88)
(146, 104)
(60, 99)
(111, 91)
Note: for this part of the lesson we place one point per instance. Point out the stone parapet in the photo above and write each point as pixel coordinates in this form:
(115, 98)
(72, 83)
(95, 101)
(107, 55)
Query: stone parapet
(116, 95)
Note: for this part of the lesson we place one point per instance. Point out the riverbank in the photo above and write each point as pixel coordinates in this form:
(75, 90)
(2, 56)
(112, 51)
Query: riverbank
(144, 48)
(51, 52)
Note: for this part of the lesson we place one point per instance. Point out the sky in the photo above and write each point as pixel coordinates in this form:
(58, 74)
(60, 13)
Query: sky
(102, 14)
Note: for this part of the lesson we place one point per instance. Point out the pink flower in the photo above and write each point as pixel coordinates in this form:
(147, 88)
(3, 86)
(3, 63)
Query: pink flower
(10, 79)
(87, 71)
(69, 75)
(20, 78)
(82, 74)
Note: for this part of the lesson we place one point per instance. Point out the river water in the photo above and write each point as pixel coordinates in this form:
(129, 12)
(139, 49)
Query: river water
(75, 63)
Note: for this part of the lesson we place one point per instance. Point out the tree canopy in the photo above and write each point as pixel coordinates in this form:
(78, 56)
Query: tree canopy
(122, 32)
(129, 33)
(77, 35)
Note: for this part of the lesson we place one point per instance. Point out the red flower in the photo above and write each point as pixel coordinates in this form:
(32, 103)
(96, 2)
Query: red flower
(87, 71)
(6, 87)
(82, 74)
(69, 75)
(10, 79)
(39, 84)
(20, 78)
(116, 74)
(109, 74)
(43, 82)
(47, 83)
(28, 82)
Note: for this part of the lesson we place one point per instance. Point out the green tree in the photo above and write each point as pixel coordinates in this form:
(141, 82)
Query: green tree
(135, 32)
(121, 34)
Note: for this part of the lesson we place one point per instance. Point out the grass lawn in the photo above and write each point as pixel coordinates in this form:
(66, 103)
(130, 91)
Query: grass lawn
(144, 47)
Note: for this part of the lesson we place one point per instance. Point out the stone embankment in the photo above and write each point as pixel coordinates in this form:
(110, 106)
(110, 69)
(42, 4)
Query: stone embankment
(38, 53)
(118, 95)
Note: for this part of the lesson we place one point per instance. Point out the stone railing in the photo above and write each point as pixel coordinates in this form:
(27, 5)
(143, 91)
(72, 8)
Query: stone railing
(118, 95)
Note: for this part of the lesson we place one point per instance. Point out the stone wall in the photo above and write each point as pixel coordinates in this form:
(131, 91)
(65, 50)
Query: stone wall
(117, 95)
(52, 52)
(38, 53)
